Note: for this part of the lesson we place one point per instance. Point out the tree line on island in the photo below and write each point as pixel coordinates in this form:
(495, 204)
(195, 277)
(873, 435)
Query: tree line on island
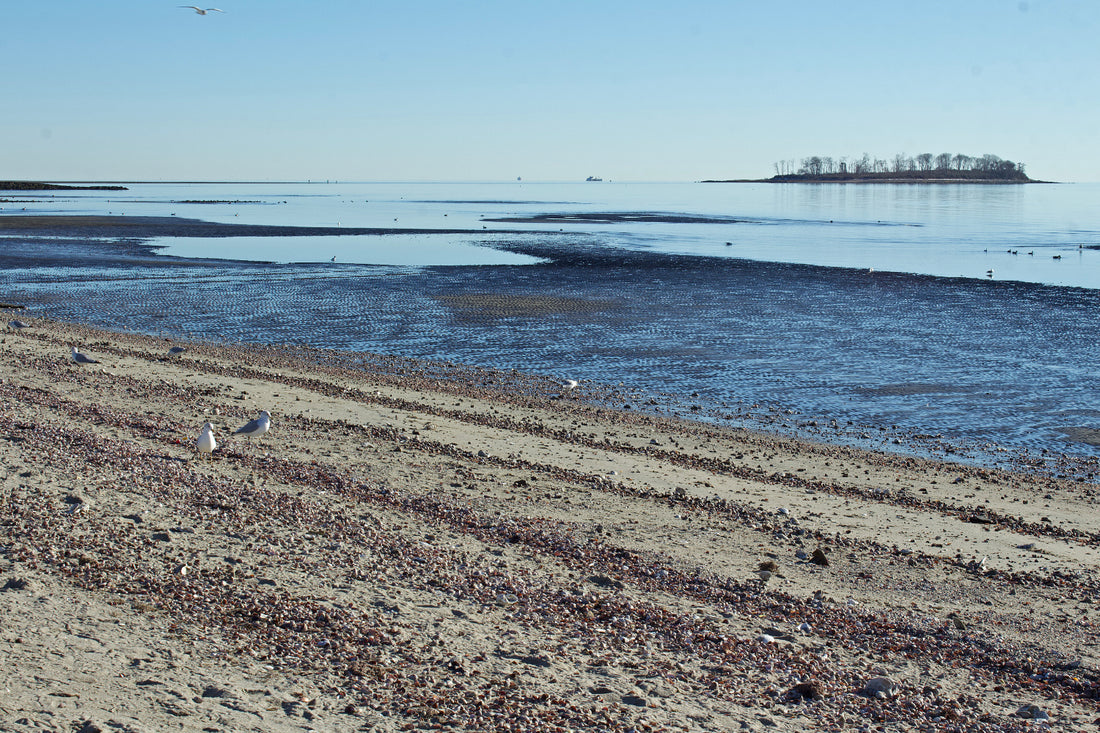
(923, 167)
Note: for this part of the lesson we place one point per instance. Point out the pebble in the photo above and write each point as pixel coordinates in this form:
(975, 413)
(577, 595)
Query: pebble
(1032, 712)
(881, 687)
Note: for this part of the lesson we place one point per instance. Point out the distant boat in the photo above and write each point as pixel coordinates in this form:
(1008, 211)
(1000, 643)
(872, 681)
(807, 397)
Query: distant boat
(593, 178)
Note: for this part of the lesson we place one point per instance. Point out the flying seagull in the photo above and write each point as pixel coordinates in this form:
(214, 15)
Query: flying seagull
(202, 11)
(256, 427)
(205, 442)
(80, 358)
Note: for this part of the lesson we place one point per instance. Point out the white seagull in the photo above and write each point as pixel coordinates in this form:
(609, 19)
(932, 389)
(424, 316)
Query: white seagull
(17, 325)
(201, 11)
(80, 358)
(256, 427)
(205, 442)
(571, 384)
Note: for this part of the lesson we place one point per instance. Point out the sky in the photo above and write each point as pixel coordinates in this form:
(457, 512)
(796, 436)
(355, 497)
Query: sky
(376, 90)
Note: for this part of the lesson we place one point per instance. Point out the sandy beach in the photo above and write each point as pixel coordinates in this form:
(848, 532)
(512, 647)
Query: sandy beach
(430, 546)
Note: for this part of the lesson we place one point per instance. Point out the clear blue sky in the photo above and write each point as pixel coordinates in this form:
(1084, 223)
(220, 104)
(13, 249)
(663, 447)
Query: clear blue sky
(488, 90)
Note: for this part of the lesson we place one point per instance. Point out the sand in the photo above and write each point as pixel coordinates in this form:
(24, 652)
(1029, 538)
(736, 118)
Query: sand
(425, 546)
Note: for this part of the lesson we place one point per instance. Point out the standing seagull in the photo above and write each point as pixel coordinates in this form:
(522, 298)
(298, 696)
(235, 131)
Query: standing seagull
(17, 325)
(201, 11)
(205, 442)
(80, 358)
(256, 427)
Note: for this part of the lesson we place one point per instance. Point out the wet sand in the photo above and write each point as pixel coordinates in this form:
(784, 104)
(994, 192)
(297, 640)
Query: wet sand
(150, 227)
(430, 545)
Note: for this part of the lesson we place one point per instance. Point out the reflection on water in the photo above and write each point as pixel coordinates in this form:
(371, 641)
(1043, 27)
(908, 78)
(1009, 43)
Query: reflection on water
(396, 250)
(729, 312)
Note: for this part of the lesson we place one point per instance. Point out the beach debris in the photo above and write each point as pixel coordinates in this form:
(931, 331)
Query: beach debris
(605, 582)
(805, 691)
(76, 504)
(765, 638)
(801, 554)
(1031, 712)
(176, 350)
(82, 358)
(16, 584)
(818, 558)
(206, 443)
(764, 575)
(805, 628)
(256, 427)
(881, 687)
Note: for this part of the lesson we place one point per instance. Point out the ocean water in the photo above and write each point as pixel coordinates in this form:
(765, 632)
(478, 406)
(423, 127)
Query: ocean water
(964, 314)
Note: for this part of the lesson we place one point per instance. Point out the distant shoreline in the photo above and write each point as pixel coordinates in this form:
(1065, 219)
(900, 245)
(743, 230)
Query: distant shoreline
(38, 186)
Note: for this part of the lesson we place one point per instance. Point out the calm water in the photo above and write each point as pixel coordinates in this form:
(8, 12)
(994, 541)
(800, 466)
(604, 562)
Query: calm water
(872, 304)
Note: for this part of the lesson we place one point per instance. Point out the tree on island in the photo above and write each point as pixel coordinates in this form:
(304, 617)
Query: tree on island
(922, 167)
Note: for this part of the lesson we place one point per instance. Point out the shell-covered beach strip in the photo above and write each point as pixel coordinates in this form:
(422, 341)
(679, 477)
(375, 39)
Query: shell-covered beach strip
(428, 546)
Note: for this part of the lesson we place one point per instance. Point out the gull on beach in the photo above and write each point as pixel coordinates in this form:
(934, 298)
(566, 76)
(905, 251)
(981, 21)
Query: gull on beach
(18, 325)
(256, 427)
(80, 358)
(176, 350)
(201, 11)
(571, 384)
(205, 442)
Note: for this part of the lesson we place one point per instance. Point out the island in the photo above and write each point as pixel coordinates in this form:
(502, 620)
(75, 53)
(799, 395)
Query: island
(923, 168)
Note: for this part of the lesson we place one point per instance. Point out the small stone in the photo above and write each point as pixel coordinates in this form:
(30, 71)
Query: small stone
(1031, 712)
(818, 558)
(881, 687)
(635, 700)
